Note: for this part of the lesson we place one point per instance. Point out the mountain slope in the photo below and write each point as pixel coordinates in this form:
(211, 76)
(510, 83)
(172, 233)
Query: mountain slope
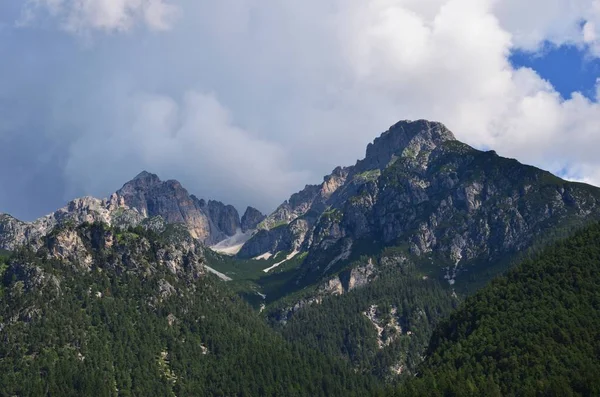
(535, 331)
(453, 218)
(378, 316)
(99, 311)
(461, 209)
(139, 201)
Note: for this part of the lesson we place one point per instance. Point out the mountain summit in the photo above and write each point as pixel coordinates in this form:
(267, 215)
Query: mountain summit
(139, 201)
(404, 137)
(462, 209)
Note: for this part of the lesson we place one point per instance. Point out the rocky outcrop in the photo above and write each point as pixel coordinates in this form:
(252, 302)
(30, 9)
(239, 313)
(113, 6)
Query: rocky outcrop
(385, 323)
(14, 233)
(273, 241)
(67, 245)
(150, 196)
(420, 188)
(144, 200)
(404, 139)
(357, 277)
(251, 218)
(225, 217)
(82, 247)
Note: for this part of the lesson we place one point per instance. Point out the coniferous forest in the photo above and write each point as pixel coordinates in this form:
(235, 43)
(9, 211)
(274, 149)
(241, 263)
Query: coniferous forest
(534, 331)
(125, 326)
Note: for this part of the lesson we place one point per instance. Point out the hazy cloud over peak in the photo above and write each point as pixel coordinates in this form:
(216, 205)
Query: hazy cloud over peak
(247, 101)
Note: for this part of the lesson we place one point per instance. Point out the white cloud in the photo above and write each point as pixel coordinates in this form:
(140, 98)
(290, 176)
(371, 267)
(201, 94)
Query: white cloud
(303, 87)
(193, 139)
(560, 22)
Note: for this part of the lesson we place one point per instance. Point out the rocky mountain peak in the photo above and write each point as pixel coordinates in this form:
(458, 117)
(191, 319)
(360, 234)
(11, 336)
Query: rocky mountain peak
(405, 138)
(251, 218)
(146, 175)
(224, 216)
(144, 181)
(145, 197)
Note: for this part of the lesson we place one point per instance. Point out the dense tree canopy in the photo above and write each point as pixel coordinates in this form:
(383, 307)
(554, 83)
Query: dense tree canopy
(120, 330)
(534, 331)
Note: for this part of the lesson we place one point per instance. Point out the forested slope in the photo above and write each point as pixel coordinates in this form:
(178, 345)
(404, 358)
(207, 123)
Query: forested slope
(103, 312)
(534, 331)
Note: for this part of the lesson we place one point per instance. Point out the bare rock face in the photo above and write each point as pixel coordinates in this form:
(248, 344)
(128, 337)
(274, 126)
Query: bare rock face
(67, 245)
(13, 232)
(275, 240)
(152, 197)
(225, 217)
(408, 139)
(80, 246)
(349, 192)
(208, 222)
(144, 200)
(420, 188)
(251, 218)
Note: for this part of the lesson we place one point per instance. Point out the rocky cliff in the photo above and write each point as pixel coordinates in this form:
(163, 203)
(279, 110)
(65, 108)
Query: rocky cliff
(142, 199)
(420, 188)
(251, 218)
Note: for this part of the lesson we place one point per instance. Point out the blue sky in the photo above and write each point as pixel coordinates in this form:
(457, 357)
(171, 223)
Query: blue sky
(569, 68)
(246, 102)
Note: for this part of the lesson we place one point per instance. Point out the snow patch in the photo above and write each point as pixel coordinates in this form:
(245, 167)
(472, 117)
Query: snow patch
(287, 258)
(266, 255)
(219, 274)
(232, 245)
(345, 254)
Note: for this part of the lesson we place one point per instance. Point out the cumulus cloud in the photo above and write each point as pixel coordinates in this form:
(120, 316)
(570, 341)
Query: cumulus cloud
(193, 139)
(247, 101)
(536, 22)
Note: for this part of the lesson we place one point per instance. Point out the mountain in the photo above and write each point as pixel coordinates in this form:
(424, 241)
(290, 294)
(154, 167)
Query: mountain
(360, 269)
(533, 331)
(138, 201)
(460, 209)
(103, 311)
(251, 218)
(366, 264)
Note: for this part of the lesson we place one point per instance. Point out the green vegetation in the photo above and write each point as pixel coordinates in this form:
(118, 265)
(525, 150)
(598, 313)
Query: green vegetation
(339, 327)
(123, 237)
(534, 331)
(266, 225)
(278, 224)
(409, 152)
(334, 215)
(249, 279)
(236, 268)
(367, 176)
(132, 327)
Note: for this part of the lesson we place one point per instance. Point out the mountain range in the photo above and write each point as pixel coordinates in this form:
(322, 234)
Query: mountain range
(139, 201)
(366, 269)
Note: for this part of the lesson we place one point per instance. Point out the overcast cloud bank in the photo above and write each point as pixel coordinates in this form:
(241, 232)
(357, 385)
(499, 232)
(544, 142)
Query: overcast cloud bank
(246, 101)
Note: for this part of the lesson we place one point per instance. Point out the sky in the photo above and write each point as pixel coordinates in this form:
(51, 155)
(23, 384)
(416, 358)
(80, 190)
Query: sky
(246, 101)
